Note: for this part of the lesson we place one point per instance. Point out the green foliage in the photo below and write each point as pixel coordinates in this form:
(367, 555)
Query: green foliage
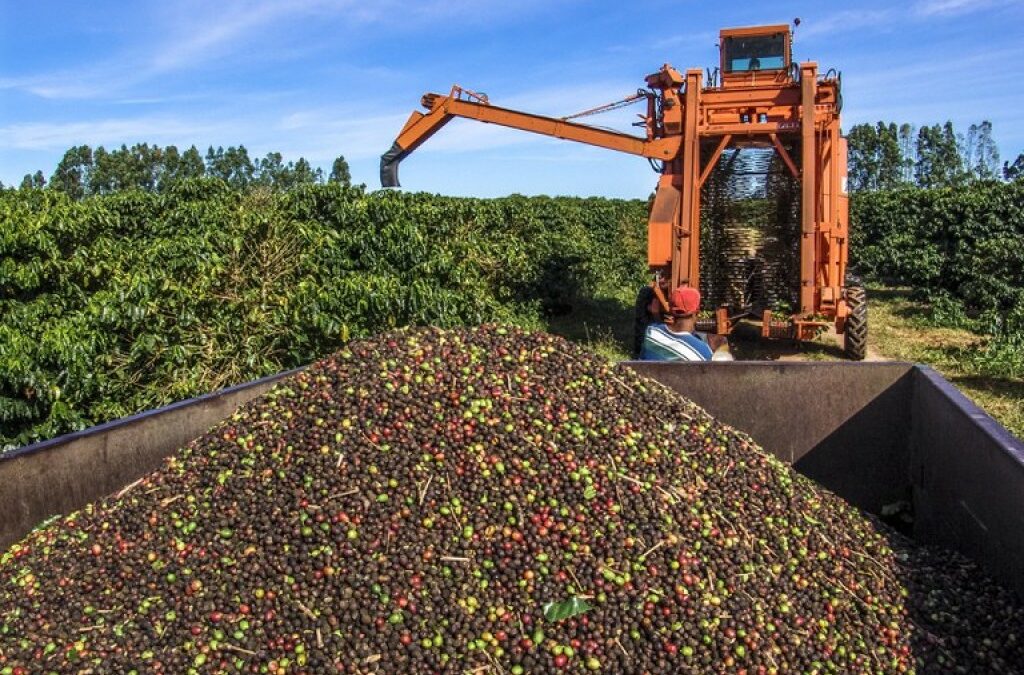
(272, 172)
(886, 156)
(232, 166)
(968, 242)
(566, 609)
(118, 303)
(998, 352)
(962, 250)
(83, 172)
(1001, 356)
(875, 157)
(340, 172)
(979, 152)
(1014, 171)
(72, 172)
(939, 162)
(33, 181)
(1002, 353)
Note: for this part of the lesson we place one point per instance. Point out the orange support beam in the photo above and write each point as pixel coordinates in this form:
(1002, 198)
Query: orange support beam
(714, 158)
(809, 185)
(686, 239)
(785, 156)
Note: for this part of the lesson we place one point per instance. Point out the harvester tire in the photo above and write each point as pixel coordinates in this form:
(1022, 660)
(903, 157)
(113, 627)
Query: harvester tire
(641, 319)
(855, 333)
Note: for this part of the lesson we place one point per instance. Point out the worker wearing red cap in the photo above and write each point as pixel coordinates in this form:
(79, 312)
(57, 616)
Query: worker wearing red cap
(678, 339)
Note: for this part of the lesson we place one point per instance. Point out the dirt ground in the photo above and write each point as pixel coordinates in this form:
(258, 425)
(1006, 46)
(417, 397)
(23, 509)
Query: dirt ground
(747, 345)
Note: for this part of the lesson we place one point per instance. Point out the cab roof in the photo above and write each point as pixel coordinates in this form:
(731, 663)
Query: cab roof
(747, 31)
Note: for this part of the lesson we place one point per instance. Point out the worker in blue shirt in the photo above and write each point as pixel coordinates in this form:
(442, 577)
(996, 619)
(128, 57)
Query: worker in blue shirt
(678, 339)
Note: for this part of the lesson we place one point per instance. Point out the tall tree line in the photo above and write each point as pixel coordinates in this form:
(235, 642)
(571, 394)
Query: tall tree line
(883, 156)
(84, 171)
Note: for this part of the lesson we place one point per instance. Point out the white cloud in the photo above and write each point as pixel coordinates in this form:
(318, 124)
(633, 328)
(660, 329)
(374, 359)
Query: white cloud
(61, 135)
(910, 93)
(81, 84)
(702, 38)
(197, 35)
(322, 135)
(846, 21)
(901, 78)
(941, 8)
(842, 22)
(189, 34)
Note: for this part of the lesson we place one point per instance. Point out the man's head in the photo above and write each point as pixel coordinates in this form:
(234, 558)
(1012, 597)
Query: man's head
(684, 302)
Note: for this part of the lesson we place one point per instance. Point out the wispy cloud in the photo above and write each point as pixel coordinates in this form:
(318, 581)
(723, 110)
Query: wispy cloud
(939, 8)
(185, 35)
(319, 134)
(847, 20)
(322, 135)
(908, 92)
(844, 21)
(188, 35)
(61, 135)
(69, 84)
(890, 78)
(702, 38)
(202, 30)
(157, 100)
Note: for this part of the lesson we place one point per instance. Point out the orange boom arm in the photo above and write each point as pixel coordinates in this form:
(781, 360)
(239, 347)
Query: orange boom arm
(462, 103)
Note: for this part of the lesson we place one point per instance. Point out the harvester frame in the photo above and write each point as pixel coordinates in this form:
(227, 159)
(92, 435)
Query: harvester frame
(689, 124)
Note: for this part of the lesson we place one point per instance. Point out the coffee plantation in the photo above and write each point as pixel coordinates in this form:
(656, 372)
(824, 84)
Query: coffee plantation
(119, 303)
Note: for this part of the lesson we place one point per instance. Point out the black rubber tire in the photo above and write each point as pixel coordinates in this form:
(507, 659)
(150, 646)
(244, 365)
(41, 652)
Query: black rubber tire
(641, 319)
(855, 332)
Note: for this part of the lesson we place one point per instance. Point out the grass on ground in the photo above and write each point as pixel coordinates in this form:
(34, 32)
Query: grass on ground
(603, 324)
(899, 329)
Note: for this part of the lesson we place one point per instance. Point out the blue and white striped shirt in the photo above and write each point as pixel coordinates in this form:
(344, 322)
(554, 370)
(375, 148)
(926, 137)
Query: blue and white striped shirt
(661, 344)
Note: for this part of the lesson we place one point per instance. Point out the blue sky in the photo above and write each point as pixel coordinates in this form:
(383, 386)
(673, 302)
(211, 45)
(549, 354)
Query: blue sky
(319, 78)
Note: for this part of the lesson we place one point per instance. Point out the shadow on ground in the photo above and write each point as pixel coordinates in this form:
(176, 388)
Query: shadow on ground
(603, 324)
(748, 345)
(999, 386)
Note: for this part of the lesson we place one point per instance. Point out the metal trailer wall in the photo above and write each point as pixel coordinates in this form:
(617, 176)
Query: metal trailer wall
(874, 433)
(65, 473)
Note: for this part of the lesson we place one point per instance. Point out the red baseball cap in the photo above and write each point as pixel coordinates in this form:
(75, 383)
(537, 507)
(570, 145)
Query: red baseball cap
(684, 301)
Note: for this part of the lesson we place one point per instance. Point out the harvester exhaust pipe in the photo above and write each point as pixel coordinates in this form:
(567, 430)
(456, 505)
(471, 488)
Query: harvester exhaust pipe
(389, 165)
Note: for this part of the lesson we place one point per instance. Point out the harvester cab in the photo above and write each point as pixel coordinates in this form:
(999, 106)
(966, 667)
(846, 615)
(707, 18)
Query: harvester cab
(747, 54)
(751, 205)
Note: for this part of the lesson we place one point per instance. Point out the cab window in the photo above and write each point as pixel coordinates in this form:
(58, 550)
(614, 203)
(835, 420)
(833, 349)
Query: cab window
(760, 52)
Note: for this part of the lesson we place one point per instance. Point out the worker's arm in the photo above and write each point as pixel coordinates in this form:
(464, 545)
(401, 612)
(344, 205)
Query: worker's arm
(716, 341)
(720, 346)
